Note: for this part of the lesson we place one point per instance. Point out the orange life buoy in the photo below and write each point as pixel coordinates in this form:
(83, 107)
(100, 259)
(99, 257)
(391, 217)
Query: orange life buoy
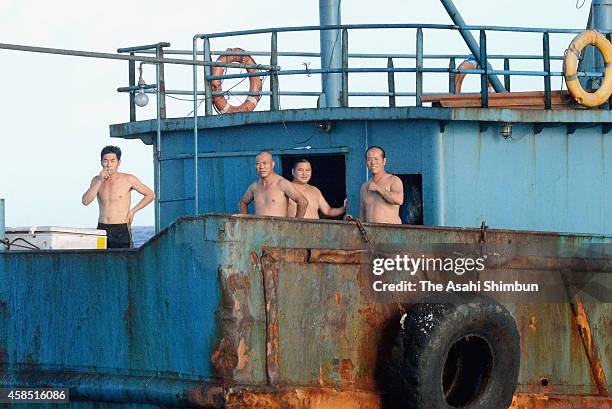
(466, 65)
(250, 102)
(570, 69)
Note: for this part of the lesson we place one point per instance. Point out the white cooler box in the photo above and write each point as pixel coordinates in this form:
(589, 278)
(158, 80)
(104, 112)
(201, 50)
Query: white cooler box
(54, 238)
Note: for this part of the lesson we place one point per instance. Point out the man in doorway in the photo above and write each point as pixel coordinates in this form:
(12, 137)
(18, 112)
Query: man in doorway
(113, 190)
(302, 172)
(271, 192)
(381, 196)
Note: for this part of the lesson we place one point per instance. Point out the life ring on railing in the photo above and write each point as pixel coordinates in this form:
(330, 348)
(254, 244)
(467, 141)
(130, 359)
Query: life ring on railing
(255, 83)
(570, 68)
(468, 64)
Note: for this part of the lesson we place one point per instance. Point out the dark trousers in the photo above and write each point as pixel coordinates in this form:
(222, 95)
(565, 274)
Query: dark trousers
(118, 236)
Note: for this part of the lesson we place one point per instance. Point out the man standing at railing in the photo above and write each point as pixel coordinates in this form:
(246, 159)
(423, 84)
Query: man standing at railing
(114, 192)
(271, 192)
(381, 196)
(302, 172)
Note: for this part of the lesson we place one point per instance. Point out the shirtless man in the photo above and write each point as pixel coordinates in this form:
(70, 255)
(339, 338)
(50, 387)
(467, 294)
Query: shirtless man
(302, 172)
(271, 192)
(382, 196)
(113, 190)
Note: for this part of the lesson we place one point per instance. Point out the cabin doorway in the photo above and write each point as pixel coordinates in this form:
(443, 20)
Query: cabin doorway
(411, 211)
(328, 174)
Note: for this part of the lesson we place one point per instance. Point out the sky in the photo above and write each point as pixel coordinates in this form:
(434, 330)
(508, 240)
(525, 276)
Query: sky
(56, 110)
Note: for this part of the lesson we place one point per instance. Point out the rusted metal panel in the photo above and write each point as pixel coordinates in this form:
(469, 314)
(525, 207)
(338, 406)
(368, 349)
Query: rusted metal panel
(267, 314)
(239, 353)
(326, 340)
(552, 355)
(600, 320)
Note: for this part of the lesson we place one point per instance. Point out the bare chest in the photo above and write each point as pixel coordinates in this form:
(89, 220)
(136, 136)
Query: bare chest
(270, 195)
(114, 191)
(311, 194)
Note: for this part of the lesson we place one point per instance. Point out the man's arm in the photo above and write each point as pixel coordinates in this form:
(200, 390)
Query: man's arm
(144, 190)
(327, 210)
(91, 193)
(293, 194)
(394, 196)
(246, 199)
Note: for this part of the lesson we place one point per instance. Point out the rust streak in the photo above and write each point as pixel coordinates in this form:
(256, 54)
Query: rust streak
(338, 256)
(345, 370)
(243, 358)
(326, 398)
(224, 358)
(206, 397)
(372, 316)
(559, 401)
(269, 268)
(307, 398)
(532, 323)
(331, 256)
(590, 347)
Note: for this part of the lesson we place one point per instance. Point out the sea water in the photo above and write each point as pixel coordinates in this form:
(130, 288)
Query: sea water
(140, 234)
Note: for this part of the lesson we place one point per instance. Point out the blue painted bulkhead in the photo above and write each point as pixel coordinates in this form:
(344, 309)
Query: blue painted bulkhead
(140, 322)
(554, 174)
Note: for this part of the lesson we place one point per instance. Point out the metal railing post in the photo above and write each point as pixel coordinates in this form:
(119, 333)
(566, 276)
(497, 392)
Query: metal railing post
(419, 67)
(391, 82)
(484, 77)
(546, 57)
(609, 37)
(452, 65)
(507, 76)
(2, 225)
(132, 80)
(158, 78)
(345, 74)
(195, 127)
(208, 110)
(161, 84)
(274, 97)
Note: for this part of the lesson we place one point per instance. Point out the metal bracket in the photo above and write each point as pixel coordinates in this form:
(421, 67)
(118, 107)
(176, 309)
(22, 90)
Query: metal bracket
(443, 126)
(606, 128)
(484, 126)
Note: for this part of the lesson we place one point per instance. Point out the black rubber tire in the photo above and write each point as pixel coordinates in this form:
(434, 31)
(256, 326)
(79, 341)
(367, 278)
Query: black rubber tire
(460, 353)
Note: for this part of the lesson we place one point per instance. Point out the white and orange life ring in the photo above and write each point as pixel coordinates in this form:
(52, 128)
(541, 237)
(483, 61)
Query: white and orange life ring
(570, 68)
(249, 104)
(468, 64)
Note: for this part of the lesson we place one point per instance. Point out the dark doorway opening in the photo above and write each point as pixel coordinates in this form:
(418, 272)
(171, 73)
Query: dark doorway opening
(411, 211)
(328, 174)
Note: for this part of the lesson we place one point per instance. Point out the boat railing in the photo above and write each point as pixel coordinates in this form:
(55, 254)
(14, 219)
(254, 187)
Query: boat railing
(451, 67)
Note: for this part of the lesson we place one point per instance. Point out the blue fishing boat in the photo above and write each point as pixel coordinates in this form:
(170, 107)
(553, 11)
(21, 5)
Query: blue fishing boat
(221, 310)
